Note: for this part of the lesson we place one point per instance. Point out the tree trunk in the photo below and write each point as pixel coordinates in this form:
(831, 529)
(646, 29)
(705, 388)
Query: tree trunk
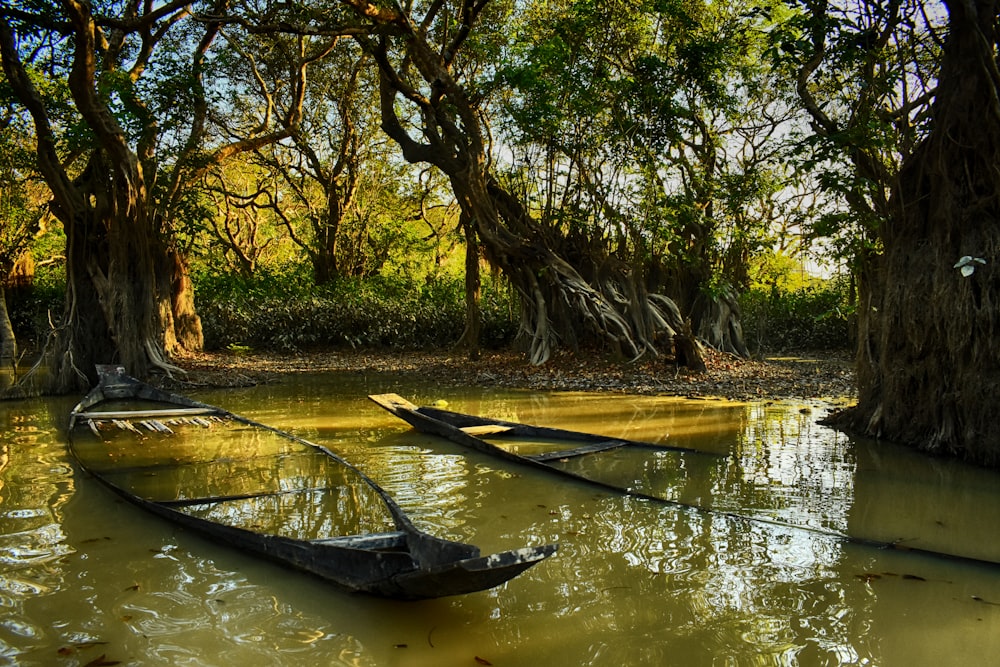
(688, 351)
(8, 342)
(928, 359)
(114, 307)
(719, 322)
(183, 331)
(560, 303)
(473, 314)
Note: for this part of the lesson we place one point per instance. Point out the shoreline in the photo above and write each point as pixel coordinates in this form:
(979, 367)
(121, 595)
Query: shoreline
(819, 376)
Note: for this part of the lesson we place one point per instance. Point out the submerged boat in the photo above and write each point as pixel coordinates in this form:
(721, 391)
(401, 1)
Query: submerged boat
(269, 492)
(561, 452)
(554, 450)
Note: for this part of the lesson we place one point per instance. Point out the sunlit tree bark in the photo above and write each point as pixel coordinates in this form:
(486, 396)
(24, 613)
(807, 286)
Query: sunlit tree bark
(129, 297)
(560, 305)
(113, 312)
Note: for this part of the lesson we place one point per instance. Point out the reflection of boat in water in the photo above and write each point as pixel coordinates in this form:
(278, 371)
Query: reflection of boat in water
(557, 450)
(269, 492)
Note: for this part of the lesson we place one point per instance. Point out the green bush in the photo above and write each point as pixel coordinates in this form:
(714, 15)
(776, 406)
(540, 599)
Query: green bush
(807, 318)
(286, 313)
(34, 308)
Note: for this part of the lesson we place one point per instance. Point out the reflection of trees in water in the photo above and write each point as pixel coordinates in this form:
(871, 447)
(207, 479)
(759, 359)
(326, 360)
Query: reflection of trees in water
(670, 584)
(297, 491)
(314, 496)
(36, 484)
(431, 487)
(31, 499)
(789, 469)
(932, 503)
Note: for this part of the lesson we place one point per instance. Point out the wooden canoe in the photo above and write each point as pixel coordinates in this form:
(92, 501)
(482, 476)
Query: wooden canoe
(540, 447)
(265, 491)
(564, 445)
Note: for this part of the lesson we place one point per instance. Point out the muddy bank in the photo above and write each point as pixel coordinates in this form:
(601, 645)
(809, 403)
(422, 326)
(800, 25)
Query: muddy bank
(804, 377)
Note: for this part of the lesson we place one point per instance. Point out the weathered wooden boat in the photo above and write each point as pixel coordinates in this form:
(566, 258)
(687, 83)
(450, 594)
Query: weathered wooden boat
(541, 447)
(551, 449)
(269, 492)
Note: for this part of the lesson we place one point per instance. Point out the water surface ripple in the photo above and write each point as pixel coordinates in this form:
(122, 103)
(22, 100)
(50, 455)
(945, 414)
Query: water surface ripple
(85, 575)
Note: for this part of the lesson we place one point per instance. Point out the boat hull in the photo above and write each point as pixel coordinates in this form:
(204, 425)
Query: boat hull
(127, 435)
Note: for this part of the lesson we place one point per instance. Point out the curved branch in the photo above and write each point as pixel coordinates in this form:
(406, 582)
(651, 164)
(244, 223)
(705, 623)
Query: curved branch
(67, 198)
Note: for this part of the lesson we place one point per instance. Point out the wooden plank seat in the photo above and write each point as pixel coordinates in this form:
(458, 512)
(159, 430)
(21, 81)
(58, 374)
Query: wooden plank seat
(486, 429)
(147, 414)
(377, 541)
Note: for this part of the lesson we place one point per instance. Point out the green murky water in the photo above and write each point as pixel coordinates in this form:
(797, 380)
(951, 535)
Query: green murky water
(85, 575)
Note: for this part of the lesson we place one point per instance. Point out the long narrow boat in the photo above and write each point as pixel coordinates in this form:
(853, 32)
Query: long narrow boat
(555, 450)
(269, 492)
(541, 447)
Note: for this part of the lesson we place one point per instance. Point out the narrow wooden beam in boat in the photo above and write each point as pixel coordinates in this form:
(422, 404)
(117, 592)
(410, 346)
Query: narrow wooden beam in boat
(375, 541)
(187, 502)
(487, 429)
(145, 414)
(578, 451)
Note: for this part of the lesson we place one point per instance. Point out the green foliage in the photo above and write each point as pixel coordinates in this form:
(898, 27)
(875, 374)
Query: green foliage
(866, 74)
(287, 312)
(34, 309)
(809, 318)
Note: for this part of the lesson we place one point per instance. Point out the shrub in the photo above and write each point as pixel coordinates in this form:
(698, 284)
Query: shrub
(34, 308)
(807, 318)
(285, 313)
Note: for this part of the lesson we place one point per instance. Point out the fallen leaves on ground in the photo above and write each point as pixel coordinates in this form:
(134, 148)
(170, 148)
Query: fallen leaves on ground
(728, 376)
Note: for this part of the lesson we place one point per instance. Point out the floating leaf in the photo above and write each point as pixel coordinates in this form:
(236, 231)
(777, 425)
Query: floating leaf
(968, 270)
(963, 261)
(483, 661)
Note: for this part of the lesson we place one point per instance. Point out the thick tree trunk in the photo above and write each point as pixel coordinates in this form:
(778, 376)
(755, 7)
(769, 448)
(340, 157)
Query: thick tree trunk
(114, 309)
(182, 325)
(8, 342)
(719, 322)
(115, 306)
(688, 351)
(929, 359)
(562, 304)
(563, 301)
(715, 315)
